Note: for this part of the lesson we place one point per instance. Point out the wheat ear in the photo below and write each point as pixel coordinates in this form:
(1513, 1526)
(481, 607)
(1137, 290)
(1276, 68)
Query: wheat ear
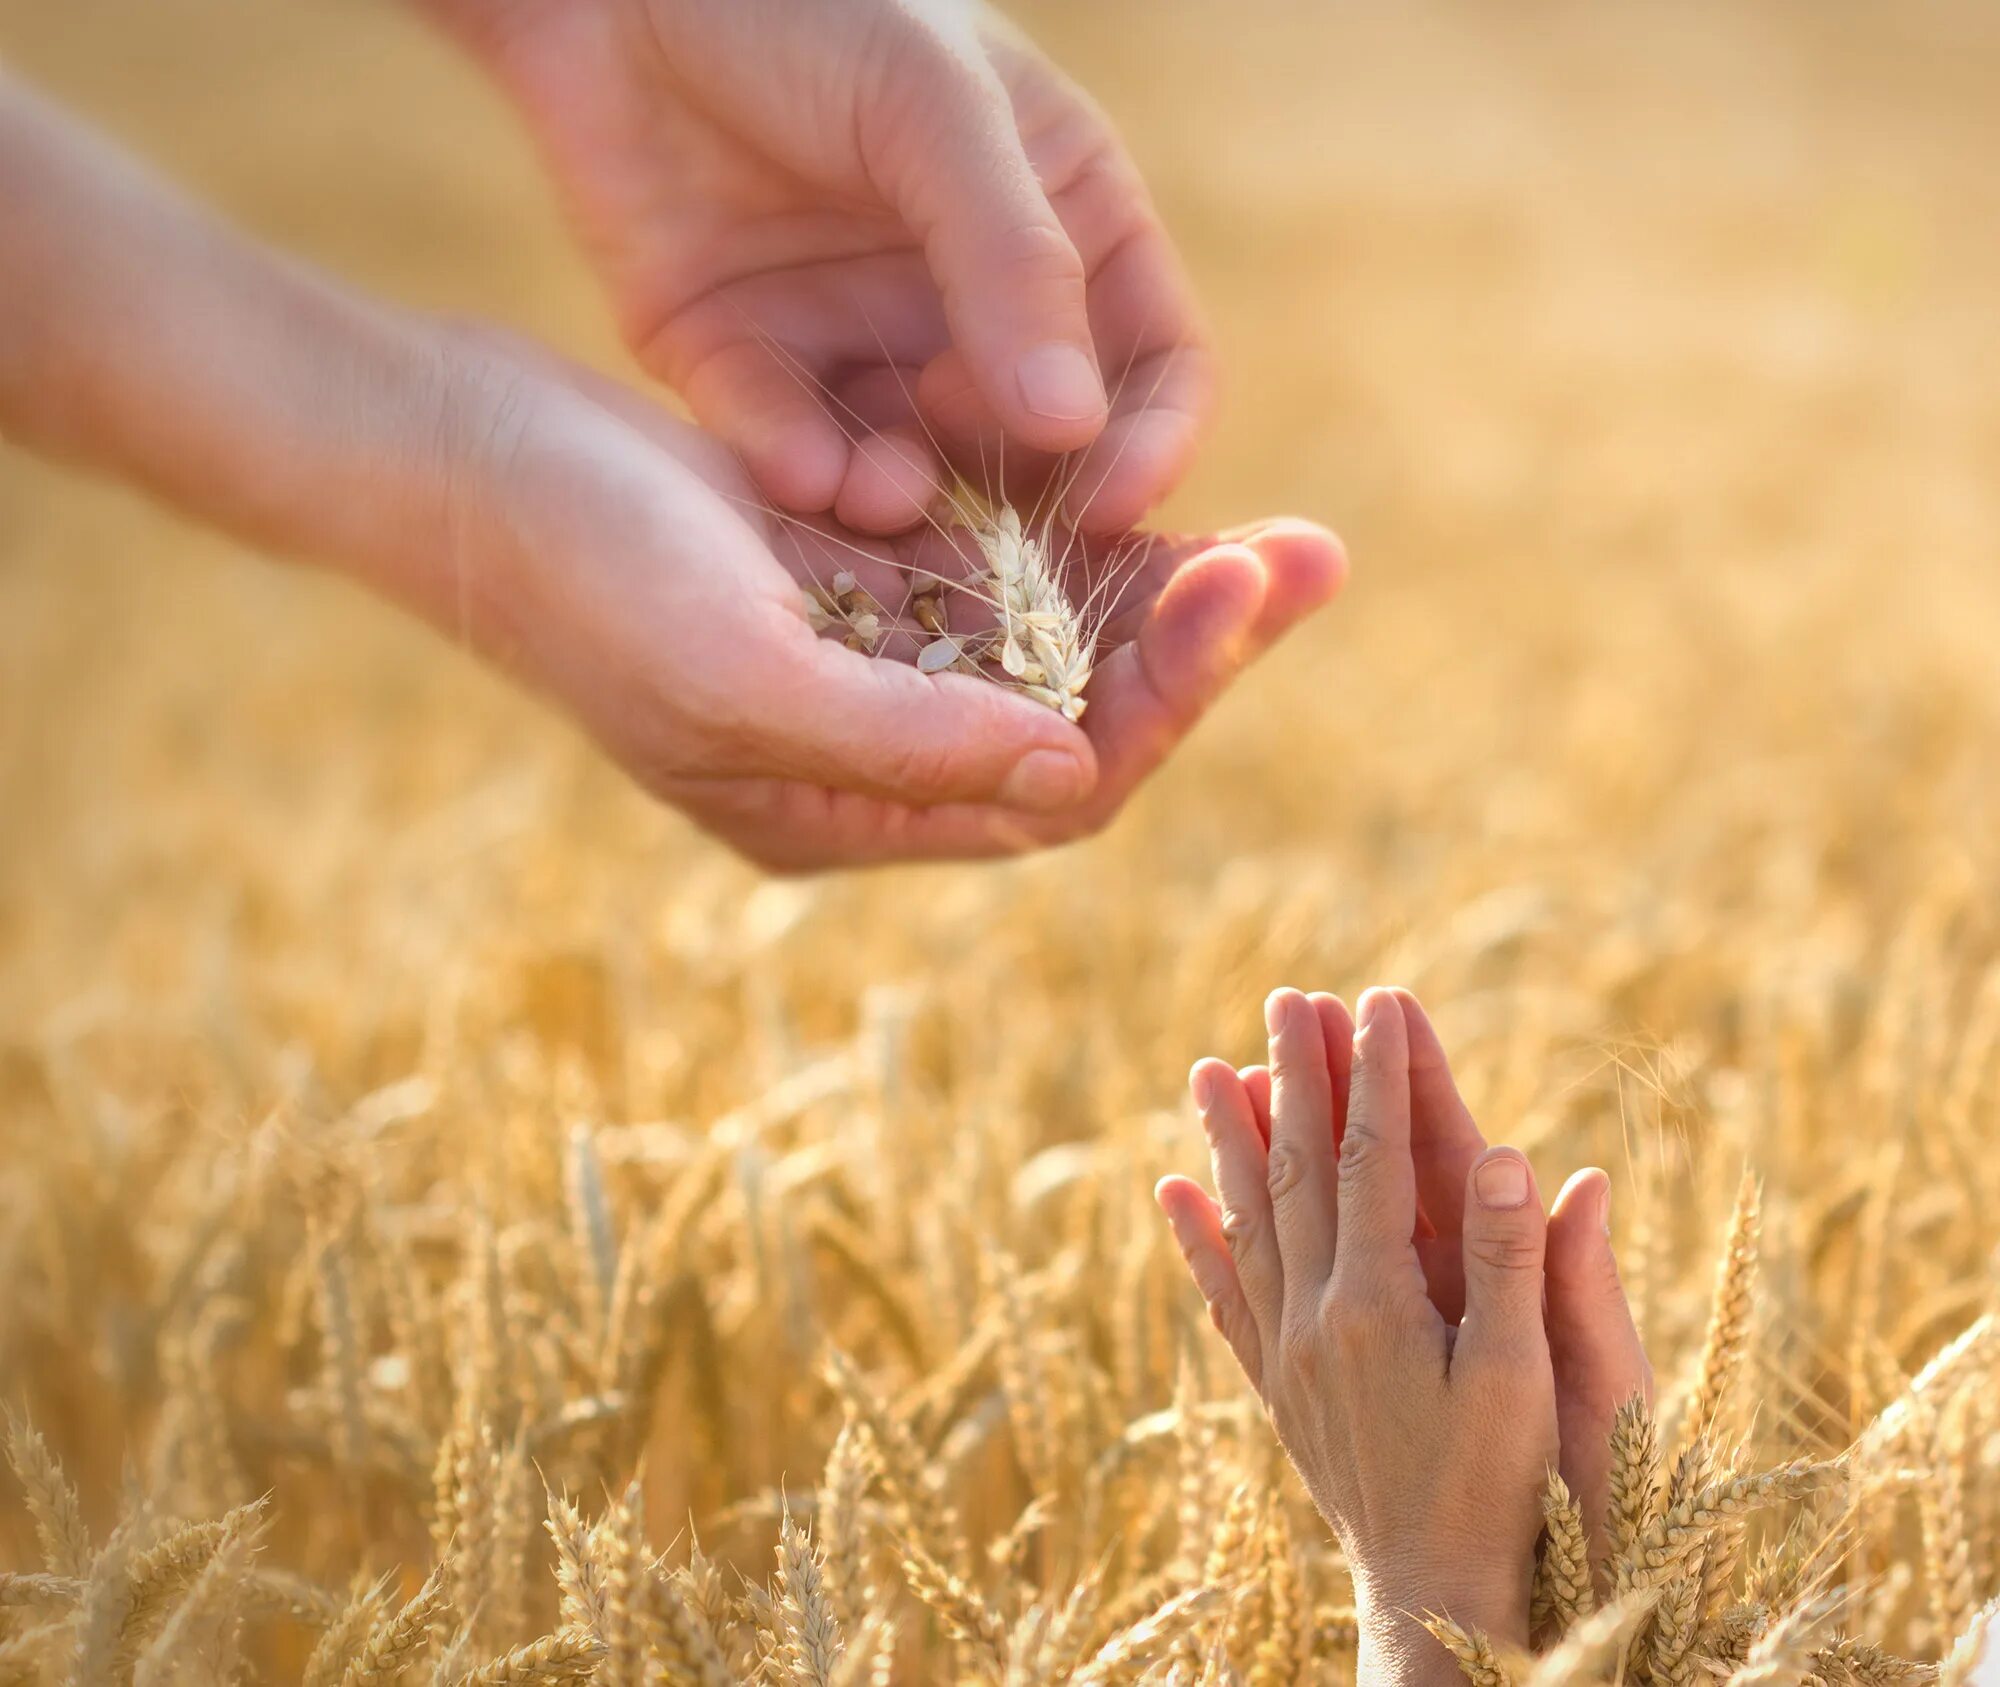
(1731, 1308)
(1563, 1594)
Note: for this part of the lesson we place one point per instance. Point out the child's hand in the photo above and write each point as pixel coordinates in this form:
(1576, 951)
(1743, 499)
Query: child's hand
(1399, 1348)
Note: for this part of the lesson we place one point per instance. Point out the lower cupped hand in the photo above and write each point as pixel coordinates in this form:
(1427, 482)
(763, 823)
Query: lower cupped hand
(623, 562)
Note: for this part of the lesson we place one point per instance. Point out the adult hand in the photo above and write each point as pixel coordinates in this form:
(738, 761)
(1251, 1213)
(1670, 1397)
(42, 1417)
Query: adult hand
(621, 560)
(1379, 1274)
(807, 215)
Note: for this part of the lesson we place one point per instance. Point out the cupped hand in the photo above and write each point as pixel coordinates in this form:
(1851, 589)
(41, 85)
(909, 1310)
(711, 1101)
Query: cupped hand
(811, 218)
(1379, 1274)
(622, 561)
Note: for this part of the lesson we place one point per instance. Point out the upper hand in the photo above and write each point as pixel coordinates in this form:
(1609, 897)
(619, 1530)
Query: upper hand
(621, 560)
(807, 216)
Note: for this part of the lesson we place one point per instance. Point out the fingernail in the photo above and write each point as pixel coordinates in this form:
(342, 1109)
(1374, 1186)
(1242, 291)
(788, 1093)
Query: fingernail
(1502, 1183)
(1043, 780)
(1370, 1008)
(1604, 1208)
(1060, 382)
(1274, 1011)
(1201, 1085)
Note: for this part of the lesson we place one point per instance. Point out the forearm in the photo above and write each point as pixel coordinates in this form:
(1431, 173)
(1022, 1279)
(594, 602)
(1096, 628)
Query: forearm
(142, 337)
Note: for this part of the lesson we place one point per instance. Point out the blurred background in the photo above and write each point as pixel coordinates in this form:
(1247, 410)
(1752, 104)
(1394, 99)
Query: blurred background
(1645, 357)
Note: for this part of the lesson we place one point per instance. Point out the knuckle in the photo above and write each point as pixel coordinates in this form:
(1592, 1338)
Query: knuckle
(1508, 1251)
(1510, 1371)
(1301, 1345)
(1360, 1149)
(1039, 252)
(919, 767)
(1241, 1227)
(1285, 1169)
(1352, 1321)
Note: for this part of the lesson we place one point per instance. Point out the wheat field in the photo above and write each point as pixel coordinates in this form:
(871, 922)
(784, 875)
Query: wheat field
(410, 1137)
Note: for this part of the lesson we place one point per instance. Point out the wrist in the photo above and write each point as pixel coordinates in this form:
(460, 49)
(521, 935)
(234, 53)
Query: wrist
(1396, 1650)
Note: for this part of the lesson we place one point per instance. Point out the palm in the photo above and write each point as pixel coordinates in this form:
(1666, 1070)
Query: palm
(1174, 616)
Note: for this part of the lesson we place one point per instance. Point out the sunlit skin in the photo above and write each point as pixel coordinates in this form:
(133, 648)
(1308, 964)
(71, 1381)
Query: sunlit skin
(624, 562)
(812, 220)
(866, 166)
(1427, 1342)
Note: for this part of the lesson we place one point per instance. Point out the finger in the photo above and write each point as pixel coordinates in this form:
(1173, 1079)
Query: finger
(1378, 1194)
(1257, 1081)
(1142, 699)
(1150, 340)
(1444, 1141)
(948, 155)
(1504, 1240)
(891, 480)
(886, 730)
(1236, 1157)
(1198, 1232)
(792, 444)
(1594, 1345)
(1304, 567)
(1145, 696)
(1299, 1167)
(1157, 422)
(1336, 1026)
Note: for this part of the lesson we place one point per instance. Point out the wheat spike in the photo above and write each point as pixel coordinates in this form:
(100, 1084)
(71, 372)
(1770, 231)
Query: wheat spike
(203, 1624)
(1731, 1308)
(964, 1611)
(328, 1661)
(1123, 1658)
(1635, 1476)
(1564, 1593)
(1784, 1655)
(52, 1502)
(1858, 1663)
(567, 1656)
(1477, 1659)
(1671, 1540)
(1043, 645)
(1604, 1635)
(1941, 1506)
(396, 1641)
(166, 1570)
(811, 1628)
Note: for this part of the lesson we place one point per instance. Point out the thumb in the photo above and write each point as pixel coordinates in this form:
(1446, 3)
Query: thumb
(1504, 1241)
(952, 165)
(861, 723)
(1594, 1344)
(1591, 1333)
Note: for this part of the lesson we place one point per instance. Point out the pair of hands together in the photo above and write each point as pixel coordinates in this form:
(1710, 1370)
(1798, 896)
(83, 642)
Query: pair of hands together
(853, 236)
(1428, 1342)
